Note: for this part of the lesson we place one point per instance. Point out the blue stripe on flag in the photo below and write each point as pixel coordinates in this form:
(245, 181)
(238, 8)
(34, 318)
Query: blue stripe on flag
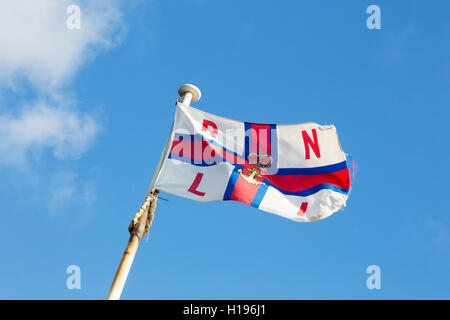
(259, 195)
(311, 171)
(231, 183)
(247, 133)
(198, 162)
(310, 191)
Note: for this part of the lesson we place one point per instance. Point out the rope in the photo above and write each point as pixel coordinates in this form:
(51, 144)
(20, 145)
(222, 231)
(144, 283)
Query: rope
(142, 220)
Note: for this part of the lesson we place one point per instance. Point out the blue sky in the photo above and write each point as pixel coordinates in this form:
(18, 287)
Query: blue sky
(84, 115)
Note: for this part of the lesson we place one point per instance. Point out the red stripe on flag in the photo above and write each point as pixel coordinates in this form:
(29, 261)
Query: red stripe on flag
(201, 150)
(293, 183)
(244, 191)
(260, 139)
(254, 140)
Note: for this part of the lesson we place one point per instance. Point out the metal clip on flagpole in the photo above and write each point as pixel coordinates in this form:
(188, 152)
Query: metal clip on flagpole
(142, 221)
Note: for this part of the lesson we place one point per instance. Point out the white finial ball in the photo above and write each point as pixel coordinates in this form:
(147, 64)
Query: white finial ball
(196, 93)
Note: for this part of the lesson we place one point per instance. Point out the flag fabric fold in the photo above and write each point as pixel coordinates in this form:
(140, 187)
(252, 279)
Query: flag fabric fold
(297, 171)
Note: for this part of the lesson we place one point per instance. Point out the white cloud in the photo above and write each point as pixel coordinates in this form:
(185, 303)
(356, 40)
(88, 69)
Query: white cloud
(36, 44)
(39, 54)
(67, 132)
(37, 47)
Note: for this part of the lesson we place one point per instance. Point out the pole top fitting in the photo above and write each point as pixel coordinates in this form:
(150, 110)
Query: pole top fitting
(185, 88)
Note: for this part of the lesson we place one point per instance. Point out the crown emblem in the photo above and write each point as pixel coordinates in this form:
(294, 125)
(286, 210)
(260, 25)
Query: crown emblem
(262, 161)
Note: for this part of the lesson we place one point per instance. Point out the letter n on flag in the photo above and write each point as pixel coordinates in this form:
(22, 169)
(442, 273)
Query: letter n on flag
(297, 171)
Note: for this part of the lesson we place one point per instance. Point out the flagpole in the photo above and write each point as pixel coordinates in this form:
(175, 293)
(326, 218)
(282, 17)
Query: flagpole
(138, 228)
(142, 221)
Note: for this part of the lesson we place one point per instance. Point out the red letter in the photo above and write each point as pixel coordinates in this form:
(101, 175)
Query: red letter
(193, 187)
(303, 208)
(209, 124)
(309, 143)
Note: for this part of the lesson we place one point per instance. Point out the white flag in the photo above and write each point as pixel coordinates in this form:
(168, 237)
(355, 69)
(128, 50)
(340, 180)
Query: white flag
(296, 171)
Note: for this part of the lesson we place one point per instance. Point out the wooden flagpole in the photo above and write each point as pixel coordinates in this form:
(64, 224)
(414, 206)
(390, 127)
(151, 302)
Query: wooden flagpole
(142, 221)
(138, 228)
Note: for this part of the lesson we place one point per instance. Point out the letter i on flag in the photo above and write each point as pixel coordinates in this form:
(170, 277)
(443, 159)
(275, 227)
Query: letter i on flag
(297, 171)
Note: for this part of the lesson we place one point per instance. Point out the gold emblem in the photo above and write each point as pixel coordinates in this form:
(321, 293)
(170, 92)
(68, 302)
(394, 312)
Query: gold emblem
(250, 175)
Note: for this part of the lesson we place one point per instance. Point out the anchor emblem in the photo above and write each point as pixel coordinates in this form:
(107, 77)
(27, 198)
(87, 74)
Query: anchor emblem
(250, 175)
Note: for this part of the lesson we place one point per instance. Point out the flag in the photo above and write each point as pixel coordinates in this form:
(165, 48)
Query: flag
(297, 171)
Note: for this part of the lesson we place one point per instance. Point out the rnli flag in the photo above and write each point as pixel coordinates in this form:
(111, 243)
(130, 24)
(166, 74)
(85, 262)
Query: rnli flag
(297, 171)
